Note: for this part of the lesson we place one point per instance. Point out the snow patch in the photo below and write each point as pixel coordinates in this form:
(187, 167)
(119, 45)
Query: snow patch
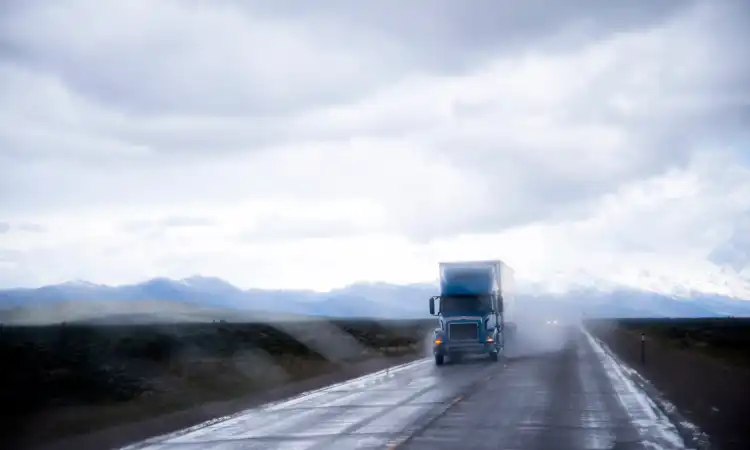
(680, 279)
(654, 426)
(360, 383)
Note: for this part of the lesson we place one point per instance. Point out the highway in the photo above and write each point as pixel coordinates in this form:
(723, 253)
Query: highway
(566, 393)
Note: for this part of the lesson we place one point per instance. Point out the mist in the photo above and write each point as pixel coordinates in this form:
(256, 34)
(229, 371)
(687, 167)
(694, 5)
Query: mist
(542, 327)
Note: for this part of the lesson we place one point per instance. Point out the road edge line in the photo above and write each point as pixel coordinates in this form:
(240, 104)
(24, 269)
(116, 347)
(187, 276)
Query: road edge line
(690, 433)
(386, 372)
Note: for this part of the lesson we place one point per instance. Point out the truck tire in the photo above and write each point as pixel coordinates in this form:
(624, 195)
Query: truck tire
(439, 360)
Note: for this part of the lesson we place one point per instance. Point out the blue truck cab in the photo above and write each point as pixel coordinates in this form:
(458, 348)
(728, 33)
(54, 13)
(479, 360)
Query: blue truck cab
(474, 310)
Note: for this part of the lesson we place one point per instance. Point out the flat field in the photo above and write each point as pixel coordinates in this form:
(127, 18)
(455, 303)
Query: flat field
(66, 380)
(700, 365)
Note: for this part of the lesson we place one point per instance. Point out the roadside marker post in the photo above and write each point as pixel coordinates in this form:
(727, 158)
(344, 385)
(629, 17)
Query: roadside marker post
(643, 348)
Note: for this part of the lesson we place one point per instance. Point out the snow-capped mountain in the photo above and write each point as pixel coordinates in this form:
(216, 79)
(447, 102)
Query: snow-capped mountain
(201, 293)
(209, 298)
(680, 279)
(630, 286)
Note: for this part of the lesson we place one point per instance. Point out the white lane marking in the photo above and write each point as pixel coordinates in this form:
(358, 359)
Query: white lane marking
(362, 382)
(223, 424)
(595, 415)
(636, 402)
(395, 420)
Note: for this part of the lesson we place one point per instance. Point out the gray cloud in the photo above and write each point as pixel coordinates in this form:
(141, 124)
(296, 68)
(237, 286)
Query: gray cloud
(187, 57)
(281, 228)
(186, 222)
(32, 228)
(10, 256)
(198, 59)
(449, 36)
(167, 222)
(537, 111)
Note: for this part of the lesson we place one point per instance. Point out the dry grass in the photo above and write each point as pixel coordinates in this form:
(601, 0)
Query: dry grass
(700, 365)
(69, 380)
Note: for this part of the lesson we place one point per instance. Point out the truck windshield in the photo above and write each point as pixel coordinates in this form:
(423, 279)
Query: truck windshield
(464, 304)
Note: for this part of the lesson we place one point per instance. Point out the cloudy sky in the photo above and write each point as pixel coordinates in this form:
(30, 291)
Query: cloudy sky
(312, 144)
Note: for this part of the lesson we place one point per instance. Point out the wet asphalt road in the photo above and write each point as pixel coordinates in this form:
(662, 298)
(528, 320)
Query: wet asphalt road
(561, 395)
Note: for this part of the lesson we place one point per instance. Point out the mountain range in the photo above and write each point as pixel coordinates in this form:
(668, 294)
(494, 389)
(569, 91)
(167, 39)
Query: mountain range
(201, 298)
(716, 284)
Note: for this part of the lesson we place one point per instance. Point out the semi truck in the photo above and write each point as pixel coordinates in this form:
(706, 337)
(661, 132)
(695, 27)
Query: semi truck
(475, 310)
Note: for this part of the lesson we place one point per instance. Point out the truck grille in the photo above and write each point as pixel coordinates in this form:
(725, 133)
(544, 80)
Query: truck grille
(463, 331)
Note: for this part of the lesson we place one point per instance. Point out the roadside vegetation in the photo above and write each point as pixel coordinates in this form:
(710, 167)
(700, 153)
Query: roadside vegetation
(69, 379)
(726, 338)
(700, 365)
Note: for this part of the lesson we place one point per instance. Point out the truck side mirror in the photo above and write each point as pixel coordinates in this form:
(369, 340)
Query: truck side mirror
(432, 306)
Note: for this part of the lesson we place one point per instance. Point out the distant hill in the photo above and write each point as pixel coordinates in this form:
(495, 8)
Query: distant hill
(131, 312)
(207, 298)
(198, 299)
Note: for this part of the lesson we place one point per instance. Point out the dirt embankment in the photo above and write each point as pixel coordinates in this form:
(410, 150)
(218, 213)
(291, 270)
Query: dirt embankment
(700, 367)
(78, 387)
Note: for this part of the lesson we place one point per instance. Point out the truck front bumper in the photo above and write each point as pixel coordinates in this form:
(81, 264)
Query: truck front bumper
(465, 348)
